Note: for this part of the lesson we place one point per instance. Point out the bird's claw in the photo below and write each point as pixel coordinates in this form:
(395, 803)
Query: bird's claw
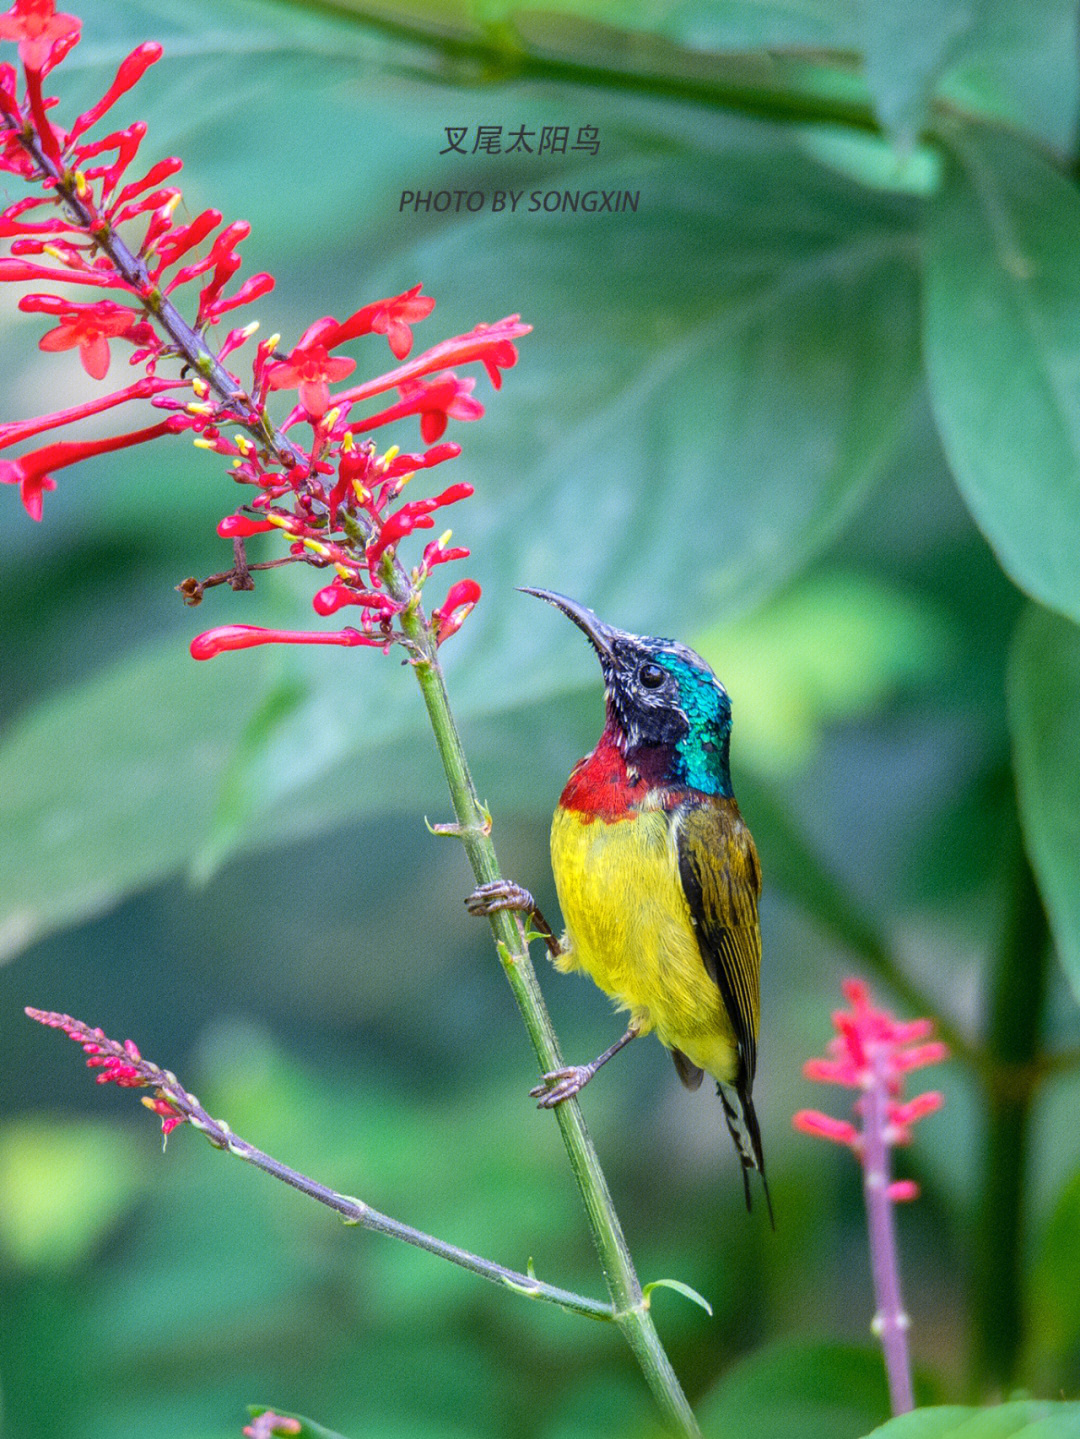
(499, 894)
(561, 1084)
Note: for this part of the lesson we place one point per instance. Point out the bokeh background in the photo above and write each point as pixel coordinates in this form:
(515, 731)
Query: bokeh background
(813, 408)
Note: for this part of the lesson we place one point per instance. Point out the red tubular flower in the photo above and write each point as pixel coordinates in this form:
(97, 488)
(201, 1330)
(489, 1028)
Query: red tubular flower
(455, 609)
(31, 472)
(490, 344)
(37, 28)
(142, 389)
(245, 637)
(130, 73)
(241, 527)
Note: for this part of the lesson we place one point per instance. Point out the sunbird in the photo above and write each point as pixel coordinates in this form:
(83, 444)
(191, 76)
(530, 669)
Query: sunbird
(657, 875)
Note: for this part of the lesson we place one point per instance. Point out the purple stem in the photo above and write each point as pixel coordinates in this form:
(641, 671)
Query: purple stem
(891, 1323)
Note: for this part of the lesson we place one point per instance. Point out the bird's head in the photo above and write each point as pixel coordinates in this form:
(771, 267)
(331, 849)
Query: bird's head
(665, 707)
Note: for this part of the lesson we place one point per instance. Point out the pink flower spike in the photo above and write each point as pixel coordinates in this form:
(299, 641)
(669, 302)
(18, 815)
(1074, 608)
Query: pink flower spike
(36, 26)
(243, 637)
(823, 1126)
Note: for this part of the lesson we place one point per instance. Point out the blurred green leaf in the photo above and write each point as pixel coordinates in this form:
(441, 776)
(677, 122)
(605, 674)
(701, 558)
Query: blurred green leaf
(1044, 712)
(63, 1185)
(104, 788)
(309, 1429)
(1018, 62)
(1055, 1281)
(1002, 332)
(829, 648)
(906, 48)
(815, 1391)
(1029, 1419)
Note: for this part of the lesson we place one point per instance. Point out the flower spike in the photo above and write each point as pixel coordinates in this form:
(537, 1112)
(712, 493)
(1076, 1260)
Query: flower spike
(873, 1052)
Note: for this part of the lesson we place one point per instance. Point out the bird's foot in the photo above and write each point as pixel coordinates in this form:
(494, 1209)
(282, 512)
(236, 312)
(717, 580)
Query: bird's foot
(561, 1084)
(500, 894)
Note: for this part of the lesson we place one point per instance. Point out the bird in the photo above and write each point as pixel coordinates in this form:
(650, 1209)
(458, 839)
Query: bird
(657, 876)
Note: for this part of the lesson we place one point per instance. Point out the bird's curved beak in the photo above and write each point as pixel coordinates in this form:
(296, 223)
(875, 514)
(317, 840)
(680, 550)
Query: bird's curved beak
(599, 634)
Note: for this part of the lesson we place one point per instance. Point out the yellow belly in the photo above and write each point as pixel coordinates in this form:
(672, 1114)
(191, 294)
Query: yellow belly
(628, 927)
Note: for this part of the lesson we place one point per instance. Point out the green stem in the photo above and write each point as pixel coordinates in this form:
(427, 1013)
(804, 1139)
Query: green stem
(1017, 1004)
(473, 827)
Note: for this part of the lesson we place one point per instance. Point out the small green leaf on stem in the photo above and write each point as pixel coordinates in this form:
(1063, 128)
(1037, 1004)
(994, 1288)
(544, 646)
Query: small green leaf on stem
(680, 1288)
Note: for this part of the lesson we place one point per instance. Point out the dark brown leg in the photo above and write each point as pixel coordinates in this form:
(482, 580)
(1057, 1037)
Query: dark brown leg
(562, 1084)
(504, 894)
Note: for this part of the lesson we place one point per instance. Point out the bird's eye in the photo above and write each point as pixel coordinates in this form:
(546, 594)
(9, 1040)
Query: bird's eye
(651, 676)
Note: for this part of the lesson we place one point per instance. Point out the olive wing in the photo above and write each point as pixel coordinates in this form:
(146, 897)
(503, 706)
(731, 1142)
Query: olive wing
(721, 879)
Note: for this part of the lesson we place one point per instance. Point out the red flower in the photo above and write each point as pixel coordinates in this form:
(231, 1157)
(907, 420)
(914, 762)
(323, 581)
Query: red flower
(391, 318)
(31, 471)
(37, 28)
(120, 1064)
(455, 609)
(90, 327)
(309, 369)
(245, 637)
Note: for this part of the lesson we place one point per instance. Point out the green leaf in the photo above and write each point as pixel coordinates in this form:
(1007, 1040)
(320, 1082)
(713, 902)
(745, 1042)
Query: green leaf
(906, 48)
(1028, 1419)
(1055, 1282)
(680, 1288)
(64, 1184)
(1018, 62)
(105, 788)
(1044, 713)
(817, 1391)
(1002, 322)
(309, 1429)
(786, 687)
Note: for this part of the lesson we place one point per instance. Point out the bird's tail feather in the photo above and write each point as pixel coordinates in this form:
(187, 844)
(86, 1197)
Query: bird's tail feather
(745, 1132)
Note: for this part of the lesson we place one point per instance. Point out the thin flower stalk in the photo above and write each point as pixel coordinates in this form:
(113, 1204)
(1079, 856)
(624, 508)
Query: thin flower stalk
(873, 1052)
(121, 1063)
